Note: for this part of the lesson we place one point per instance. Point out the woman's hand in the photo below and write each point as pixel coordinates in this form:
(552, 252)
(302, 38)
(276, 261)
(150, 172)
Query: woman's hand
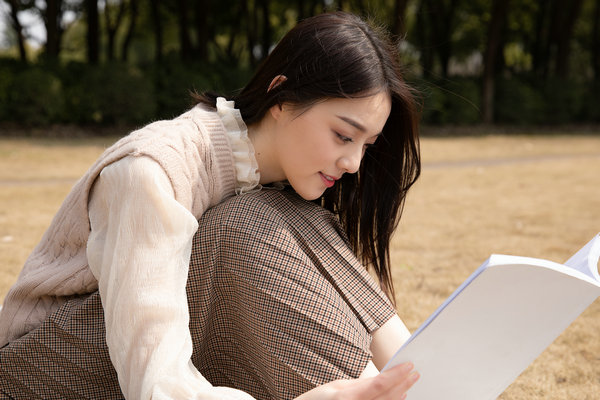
(391, 384)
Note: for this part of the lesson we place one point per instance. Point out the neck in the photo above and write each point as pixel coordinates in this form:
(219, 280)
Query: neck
(261, 135)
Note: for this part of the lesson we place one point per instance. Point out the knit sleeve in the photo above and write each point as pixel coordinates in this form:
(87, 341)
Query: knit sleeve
(139, 250)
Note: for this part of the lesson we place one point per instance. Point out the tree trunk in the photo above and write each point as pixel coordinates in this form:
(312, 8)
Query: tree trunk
(201, 12)
(541, 44)
(185, 42)
(343, 5)
(424, 41)
(158, 31)
(596, 42)
(445, 50)
(563, 50)
(112, 27)
(314, 7)
(16, 24)
(362, 8)
(399, 26)
(492, 50)
(93, 31)
(133, 15)
(300, 7)
(557, 11)
(251, 33)
(266, 30)
(441, 17)
(234, 31)
(52, 20)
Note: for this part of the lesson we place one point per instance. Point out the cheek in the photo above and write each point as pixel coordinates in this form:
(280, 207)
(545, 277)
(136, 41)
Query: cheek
(310, 147)
(320, 150)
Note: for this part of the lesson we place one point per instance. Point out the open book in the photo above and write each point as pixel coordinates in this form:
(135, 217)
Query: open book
(497, 322)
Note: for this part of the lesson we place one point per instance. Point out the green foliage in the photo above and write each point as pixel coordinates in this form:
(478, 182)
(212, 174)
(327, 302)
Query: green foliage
(108, 94)
(518, 102)
(563, 100)
(8, 68)
(224, 40)
(590, 104)
(34, 96)
(174, 81)
(453, 101)
(112, 93)
(119, 93)
(531, 100)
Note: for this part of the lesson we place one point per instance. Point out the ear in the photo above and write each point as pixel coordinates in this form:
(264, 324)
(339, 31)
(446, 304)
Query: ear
(278, 80)
(276, 110)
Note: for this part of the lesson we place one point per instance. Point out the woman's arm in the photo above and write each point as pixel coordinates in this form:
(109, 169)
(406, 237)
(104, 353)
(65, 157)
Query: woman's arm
(139, 250)
(387, 340)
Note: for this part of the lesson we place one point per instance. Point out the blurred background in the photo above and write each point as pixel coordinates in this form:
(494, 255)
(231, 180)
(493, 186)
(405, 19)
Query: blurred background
(71, 69)
(126, 62)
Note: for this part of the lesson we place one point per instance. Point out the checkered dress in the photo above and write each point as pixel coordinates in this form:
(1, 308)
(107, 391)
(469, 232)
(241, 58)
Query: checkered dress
(278, 304)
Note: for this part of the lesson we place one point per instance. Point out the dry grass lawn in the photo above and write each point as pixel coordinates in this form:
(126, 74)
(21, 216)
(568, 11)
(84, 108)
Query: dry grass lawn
(525, 195)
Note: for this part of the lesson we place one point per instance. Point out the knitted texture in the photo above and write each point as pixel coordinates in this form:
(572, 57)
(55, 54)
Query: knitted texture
(194, 152)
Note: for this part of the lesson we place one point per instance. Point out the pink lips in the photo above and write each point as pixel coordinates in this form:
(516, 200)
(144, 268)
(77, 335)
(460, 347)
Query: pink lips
(328, 182)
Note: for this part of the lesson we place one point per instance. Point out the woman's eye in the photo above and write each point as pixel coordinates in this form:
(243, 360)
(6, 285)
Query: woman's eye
(342, 137)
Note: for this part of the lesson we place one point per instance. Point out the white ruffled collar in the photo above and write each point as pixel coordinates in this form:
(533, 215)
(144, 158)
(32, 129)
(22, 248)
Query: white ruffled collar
(246, 167)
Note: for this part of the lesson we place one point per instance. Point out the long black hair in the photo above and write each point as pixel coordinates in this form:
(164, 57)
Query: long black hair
(339, 55)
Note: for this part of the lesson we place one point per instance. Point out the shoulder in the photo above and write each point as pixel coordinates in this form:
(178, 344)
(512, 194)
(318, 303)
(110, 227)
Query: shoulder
(266, 204)
(130, 179)
(134, 169)
(190, 122)
(273, 210)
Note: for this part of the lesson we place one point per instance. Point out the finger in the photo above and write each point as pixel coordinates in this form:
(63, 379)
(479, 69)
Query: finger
(399, 391)
(377, 386)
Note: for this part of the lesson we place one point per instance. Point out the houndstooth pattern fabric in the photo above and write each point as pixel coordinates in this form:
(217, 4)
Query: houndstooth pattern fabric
(278, 305)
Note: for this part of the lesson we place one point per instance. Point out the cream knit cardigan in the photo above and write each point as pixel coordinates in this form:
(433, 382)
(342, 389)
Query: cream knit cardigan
(195, 154)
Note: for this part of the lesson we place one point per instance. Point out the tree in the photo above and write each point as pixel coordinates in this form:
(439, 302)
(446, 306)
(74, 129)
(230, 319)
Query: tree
(112, 22)
(493, 47)
(596, 42)
(435, 24)
(16, 24)
(568, 12)
(554, 33)
(133, 15)
(93, 31)
(201, 12)
(185, 41)
(266, 28)
(52, 15)
(399, 25)
(540, 48)
(158, 29)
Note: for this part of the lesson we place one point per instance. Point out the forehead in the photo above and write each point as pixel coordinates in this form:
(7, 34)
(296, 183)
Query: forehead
(367, 114)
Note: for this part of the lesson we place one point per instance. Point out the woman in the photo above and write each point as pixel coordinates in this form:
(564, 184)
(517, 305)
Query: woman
(327, 112)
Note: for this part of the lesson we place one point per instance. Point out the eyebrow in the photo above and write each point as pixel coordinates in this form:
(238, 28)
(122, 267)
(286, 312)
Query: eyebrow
(354, 124)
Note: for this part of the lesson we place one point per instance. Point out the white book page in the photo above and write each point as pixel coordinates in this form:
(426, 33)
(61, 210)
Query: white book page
(493, 330)
(496, 323)
(586, 259)
(498, 259)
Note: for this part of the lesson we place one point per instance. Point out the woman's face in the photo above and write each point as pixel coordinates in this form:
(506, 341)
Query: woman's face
(315, 146)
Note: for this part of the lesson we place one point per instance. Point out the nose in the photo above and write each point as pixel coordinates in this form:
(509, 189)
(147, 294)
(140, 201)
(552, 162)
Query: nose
(350, 161)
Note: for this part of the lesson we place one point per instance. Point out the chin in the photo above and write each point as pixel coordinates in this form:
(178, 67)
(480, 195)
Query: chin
(309, 195)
